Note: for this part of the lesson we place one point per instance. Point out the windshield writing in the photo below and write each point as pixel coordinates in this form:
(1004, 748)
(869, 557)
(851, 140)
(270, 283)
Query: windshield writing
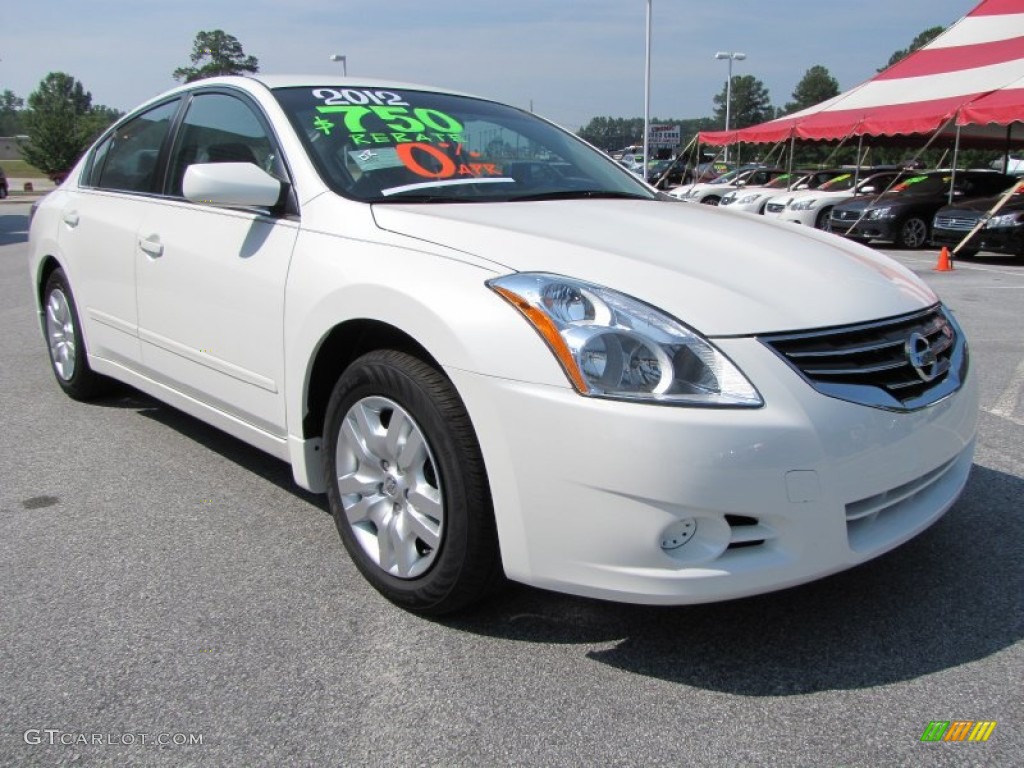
(393, 145)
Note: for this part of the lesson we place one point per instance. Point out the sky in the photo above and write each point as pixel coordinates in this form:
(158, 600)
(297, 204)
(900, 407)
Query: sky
(570, 60)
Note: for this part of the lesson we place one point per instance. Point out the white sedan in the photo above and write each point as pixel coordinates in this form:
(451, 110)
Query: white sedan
(499, 353)
(712, 192)
(754, 199)
(813, 207)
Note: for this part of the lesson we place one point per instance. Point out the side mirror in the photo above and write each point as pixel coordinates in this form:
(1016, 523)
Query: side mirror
(867, 190)
(241, 184)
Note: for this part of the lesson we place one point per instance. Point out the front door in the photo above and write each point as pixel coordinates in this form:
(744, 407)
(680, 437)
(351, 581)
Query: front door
(211, 280)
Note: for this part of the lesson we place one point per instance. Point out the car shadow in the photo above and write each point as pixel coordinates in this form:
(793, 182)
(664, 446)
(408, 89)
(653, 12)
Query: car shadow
(252, 459)
(947, 598)
(13, 229)
(994, 259)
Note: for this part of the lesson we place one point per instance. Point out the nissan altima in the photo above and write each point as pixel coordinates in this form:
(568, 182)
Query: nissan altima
(498, 353)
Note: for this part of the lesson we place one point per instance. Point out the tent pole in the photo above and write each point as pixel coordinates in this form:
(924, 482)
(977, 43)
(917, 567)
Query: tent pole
(956, 151)
(1006, 154)
(792, 151)
(860, 159)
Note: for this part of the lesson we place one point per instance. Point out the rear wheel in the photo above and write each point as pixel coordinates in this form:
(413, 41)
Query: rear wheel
(407, 486)
(913, 233)
(68, 357)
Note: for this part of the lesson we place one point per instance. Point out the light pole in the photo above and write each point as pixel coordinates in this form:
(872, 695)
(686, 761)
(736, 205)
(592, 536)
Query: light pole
(731, 56)
(344, 64)
(647, 93)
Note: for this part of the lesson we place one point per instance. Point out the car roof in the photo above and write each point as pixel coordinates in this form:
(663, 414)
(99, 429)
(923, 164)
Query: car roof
(272, 82)
(332, 80)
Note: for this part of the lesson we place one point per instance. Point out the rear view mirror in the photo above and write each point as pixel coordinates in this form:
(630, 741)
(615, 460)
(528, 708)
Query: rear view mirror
(241, 184)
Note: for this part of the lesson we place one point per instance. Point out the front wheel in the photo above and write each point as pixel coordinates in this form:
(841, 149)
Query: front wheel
(407, 485)
(823, 220)
(711, 200)
(68, 357)
(913, 233)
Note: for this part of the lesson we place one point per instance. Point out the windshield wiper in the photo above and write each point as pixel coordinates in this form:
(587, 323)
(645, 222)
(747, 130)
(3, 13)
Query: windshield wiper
(579, 194)
(424, 198)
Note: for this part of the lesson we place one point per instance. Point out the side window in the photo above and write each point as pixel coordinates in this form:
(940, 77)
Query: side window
(126, 160)
(219, 128)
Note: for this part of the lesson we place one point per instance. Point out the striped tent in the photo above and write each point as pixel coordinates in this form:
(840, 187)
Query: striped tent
(969, 80)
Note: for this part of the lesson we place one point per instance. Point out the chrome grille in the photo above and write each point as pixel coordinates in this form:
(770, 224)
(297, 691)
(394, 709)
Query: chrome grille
(960, 223)
(775, 207)
(902, 363)
(841, 215)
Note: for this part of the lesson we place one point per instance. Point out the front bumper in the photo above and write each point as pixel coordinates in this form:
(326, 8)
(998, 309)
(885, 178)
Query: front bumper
(866, 229)
(998, 240)
(591, 495)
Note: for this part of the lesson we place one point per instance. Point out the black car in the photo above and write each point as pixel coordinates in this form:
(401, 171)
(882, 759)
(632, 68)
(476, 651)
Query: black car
(671, 173)
(3, 184)
(904, 215)
(1002, 233)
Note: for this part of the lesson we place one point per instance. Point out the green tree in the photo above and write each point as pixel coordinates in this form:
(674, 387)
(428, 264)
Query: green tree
(611, 133)
(216, 53)
(918, 42)
(10, 114)
(816, 86)
(751, 103)
(61, 123)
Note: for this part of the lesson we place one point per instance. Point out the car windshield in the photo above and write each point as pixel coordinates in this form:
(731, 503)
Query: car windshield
(838, 184)
(404, 145)
(730, 176)
(783, 181)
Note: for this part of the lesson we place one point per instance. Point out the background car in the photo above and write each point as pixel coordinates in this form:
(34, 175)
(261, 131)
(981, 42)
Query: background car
(711, 193)
(750, 199)
(1002, 232)
(666, 174)
(904, 215)
(814, 207)
(4, 190)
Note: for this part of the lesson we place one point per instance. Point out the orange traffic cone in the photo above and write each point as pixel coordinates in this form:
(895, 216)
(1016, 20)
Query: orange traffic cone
(945, 264)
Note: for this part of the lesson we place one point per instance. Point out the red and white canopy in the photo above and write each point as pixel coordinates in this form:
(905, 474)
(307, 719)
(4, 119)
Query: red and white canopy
(972, 73)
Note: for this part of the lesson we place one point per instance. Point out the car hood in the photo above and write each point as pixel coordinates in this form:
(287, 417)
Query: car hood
(985, 204)
(893, 198)
(722, 274)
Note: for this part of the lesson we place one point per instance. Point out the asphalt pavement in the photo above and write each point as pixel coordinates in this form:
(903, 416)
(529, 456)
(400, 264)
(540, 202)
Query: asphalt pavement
(162, 582)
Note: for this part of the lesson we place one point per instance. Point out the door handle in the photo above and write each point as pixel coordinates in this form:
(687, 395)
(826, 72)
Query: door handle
(152, 245)
(71, 218)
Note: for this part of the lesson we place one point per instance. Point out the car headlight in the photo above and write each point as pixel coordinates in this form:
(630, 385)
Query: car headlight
(1004, 220)
(802, 205)
(747, 200)
(614, 346)
(880, 213)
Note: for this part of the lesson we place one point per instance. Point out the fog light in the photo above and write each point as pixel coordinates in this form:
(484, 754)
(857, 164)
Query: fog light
(678, 534)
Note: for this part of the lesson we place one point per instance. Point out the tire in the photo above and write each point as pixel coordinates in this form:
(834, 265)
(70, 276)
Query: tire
(711, 200)
(68, 358)
(823, 220)
(912, 233)
(439, 549)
